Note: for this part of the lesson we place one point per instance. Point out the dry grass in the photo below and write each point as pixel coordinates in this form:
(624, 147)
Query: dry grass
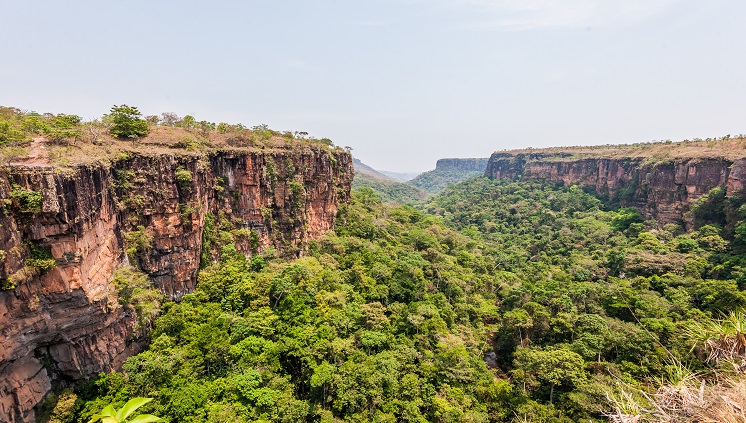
(690, 401)
(729, 148)
(689, 397)
(160, 140)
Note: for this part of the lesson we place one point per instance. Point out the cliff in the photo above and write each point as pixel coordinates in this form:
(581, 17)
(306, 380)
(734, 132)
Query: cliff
(662, 180)
(475, 165)
(64, 323)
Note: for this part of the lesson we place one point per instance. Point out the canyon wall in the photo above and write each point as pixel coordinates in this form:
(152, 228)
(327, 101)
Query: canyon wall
(477, 164)
(660, 189)
(64, 324)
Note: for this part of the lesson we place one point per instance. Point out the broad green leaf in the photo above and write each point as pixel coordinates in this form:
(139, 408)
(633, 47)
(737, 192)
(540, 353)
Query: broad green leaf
(145, 418)
(130, 407)
(108, 411)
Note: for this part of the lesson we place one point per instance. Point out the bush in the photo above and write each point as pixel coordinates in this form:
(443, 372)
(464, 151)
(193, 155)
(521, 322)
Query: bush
(26, 200)
(137, 242)
(183, 178)
(136, 290)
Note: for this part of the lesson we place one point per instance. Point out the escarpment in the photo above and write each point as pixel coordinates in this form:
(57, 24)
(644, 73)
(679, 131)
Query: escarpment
(663, 185)
(474, 164)
(63, 234)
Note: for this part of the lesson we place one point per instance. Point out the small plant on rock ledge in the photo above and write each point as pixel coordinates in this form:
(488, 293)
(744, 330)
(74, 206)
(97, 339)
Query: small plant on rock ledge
(26, 200)
(138, 241)
(184, 178)
(41, 257)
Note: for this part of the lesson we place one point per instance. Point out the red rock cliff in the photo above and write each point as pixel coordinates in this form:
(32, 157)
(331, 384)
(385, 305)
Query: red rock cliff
(62, 325)
(663, 189)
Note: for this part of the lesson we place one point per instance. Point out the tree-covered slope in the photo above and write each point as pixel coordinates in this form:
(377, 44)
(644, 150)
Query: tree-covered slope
(389, 190)
(500, 301)
(437, 180)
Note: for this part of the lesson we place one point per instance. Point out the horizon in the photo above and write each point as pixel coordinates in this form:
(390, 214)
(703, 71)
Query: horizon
(403, 83)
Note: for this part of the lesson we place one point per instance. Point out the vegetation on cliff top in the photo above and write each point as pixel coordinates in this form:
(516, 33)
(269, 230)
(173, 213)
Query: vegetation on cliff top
(27, 137)
(500, 301)
(725, 147)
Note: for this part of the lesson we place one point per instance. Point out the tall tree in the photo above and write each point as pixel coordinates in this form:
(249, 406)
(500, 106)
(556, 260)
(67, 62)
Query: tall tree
(127, 122)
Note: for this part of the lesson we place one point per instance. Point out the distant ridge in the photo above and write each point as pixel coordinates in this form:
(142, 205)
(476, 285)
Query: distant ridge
(400, 176)
(362, 168)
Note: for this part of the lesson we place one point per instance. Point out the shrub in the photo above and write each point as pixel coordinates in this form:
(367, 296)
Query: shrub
(183, 178)
(188, 143)
(27, 201)
(138, 241)
(136, 290)
(43, 264)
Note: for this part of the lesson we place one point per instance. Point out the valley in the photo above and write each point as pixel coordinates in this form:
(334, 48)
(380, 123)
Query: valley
(256, 275)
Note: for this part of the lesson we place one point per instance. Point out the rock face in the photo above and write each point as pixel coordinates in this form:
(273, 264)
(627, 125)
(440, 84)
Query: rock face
(65, 324)
(478, 165)
(661, 190)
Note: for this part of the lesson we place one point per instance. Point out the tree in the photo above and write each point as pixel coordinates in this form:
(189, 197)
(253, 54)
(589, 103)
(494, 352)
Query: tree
(534, 367)
(10, 154)
(127, 122)
(63, 128)
(169, 119)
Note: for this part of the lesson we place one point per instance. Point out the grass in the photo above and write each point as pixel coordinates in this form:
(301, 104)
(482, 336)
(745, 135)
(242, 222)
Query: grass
(165, 140)
(727, 147)
(715, 396)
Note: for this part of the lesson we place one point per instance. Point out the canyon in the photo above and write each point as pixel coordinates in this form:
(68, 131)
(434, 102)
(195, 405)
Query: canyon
(63, 324)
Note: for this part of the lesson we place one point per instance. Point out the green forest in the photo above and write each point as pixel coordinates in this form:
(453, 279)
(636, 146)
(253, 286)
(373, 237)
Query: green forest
(494, 301)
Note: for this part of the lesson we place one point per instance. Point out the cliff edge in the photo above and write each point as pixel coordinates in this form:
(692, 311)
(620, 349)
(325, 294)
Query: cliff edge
(60, 321)
(662, 180)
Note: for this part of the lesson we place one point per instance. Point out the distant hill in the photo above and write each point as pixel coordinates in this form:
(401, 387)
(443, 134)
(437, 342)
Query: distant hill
(401, 176)
(449, 171)
(362, 168)
(389, 190)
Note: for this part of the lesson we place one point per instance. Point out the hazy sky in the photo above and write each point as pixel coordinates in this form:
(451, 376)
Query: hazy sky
(404, 82)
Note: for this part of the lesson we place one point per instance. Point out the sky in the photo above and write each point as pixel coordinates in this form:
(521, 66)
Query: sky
(403, 83)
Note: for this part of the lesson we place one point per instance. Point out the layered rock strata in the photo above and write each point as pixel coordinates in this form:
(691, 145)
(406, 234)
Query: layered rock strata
(64, 324)
(661, 189)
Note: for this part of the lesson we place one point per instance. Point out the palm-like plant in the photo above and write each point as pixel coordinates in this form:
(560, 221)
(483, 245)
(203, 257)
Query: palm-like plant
(111, 415)
(724, 339)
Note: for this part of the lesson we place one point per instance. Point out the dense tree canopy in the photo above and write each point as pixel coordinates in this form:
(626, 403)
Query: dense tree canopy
(497, 301)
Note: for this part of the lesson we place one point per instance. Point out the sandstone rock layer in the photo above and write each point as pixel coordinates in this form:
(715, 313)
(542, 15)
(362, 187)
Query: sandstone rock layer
(65, 324)
(663, 190)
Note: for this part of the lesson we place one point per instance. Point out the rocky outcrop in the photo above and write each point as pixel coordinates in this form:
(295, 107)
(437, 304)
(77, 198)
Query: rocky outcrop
(478, 164)
(65, 324)
(661, 189)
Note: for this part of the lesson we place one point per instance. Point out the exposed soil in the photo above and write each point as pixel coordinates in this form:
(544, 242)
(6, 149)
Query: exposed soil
(37, 154)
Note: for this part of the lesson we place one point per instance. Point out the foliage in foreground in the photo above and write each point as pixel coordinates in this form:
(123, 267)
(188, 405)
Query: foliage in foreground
(537, 308)
(112, 415)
